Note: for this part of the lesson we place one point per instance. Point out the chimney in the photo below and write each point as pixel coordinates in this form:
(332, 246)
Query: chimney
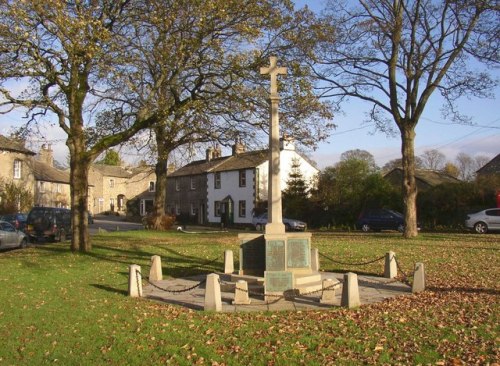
(238, 147)
(286, 143)
(210, 153)
(46, 155)
(217, 152)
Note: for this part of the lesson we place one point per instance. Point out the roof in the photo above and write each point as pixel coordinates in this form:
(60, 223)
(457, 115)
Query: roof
(491, 167)
(430, 177)
(244, 160)
(47, 173)
(9, 144)
(112, 170)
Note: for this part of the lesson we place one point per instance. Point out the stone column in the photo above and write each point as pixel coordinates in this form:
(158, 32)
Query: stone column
(350, 291)
(241, 293)
(328, 294)
(155, 273)
(228, 262)
(213, 299)
(418, 278)
(134, 281)
(390, 268)
(315, 259)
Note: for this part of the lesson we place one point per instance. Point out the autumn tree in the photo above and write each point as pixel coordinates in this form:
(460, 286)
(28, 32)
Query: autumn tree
(199, 62)
(61, 53)
(14, 198)
(395, 54)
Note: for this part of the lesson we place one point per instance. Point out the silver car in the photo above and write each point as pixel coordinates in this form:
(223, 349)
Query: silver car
(290, 224)
(10, 237)
(484, 221)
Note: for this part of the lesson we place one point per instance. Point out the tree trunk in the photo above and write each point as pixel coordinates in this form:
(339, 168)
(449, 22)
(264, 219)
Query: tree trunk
(79, 197)
(409, 183)
(161, 179)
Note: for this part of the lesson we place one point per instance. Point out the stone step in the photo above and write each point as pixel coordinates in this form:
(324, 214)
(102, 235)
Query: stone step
(310, 287)
(307, 278)
(248, 278)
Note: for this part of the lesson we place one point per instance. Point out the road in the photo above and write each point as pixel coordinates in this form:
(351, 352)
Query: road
(112, 223)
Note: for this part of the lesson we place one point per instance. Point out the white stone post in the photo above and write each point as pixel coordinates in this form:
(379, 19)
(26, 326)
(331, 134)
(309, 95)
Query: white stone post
(274, 216)
(213, 299)
(155, 273)
(315, 259)
(134, 281)
(228, 262)
(350, 291)
(418, 278)
(328, 294)
(390, 268)
(241, 293)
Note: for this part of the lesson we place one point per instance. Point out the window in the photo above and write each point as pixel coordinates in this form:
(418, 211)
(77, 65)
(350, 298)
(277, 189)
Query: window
(193, 209)
(217, 180)
(193, 183)
(42, 187)
(112, 204)
(243, 178)
(242, 208)
(17, 169)
(58, 188)
(177, 209)
(177, 184)
(152, 187)
(111, 183)
(217, 206)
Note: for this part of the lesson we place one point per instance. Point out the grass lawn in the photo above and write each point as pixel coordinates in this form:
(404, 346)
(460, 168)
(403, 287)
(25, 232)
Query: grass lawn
(72, 309)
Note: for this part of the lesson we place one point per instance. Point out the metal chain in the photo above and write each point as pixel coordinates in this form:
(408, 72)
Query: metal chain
(352, 264)
(405, 276)
(137, 274)
(176, 291)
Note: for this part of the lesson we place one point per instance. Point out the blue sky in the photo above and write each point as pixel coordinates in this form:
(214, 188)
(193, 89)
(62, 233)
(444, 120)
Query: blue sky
(433, 132)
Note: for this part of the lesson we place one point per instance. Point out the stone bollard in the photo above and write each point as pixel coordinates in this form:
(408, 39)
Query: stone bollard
(155, 273)
(228, 262)
(241, 293)
(213, 299)
(350, 291)
(390, 268)
(315, 259)
(418, 278)
(328, 294)
(134, 281)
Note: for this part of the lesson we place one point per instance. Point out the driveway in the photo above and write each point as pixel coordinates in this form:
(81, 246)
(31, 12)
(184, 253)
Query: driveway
(112, 223)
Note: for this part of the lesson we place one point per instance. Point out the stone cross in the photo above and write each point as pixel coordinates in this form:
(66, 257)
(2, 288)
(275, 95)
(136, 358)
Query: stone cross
(274, 71)
(274, 215)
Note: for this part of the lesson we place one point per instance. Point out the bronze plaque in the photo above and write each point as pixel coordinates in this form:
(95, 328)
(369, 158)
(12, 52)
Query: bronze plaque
(278, 281)
(253, 261)
(298, 253)
(275, 255)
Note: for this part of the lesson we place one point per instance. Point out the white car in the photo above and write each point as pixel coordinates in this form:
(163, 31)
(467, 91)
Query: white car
(484, 221)
(260, 221)
(10, 237)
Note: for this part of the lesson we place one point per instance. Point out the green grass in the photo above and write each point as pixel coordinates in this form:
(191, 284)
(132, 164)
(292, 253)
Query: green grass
(73, 309)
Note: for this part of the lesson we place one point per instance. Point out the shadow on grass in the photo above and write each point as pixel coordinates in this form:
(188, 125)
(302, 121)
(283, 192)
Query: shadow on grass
(110, 289)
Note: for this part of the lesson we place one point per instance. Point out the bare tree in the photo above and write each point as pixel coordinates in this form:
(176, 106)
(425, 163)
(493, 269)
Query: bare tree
(433, 159)
(394, 54)
(468, 165)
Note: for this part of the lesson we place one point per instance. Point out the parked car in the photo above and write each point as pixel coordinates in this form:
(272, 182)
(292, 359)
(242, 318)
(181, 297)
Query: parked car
(10, 237)
(49, 223)
(484, 221)
(380, 219)
(18, 220)
(290, 224)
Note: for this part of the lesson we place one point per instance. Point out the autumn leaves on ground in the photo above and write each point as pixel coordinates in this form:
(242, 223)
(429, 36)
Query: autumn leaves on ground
(58, 307)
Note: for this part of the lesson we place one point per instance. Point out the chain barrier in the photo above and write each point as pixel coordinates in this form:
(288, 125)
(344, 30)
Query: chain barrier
(405, 276)
(180, 229)
(352, 264)
(288, 294)
(175, 291)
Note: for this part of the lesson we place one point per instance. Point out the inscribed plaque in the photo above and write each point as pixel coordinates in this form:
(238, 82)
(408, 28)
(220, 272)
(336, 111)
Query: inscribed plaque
(275, 255)
(298, 253)
(278, 281)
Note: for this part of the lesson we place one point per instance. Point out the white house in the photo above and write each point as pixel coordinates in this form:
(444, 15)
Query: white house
(236, 185)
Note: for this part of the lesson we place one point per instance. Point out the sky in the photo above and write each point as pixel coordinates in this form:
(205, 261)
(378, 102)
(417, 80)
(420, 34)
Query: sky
(482, 137)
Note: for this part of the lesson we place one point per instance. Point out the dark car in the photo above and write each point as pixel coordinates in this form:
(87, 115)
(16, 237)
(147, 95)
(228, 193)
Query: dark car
(380, 219)
(260, 221)
(48, 223)
(18, 220)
